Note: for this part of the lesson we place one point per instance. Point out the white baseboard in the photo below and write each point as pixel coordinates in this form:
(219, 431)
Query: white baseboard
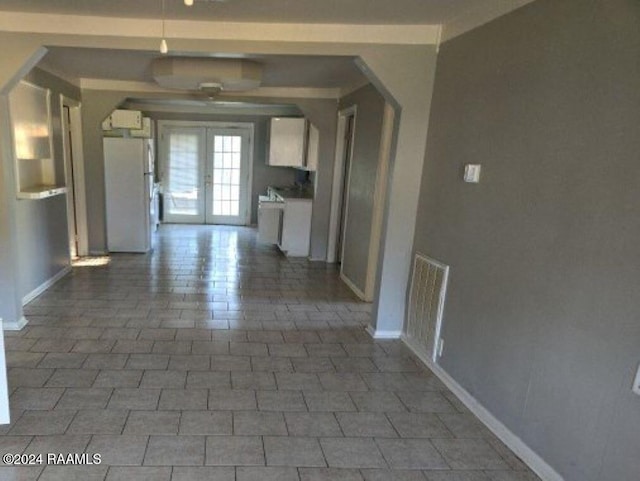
(16, 325)
(377, 334)
(353, 287)
(513, 442)
(45, 285)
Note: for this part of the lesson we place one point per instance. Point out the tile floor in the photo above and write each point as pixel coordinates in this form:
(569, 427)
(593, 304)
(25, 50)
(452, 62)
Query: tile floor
(216, 358)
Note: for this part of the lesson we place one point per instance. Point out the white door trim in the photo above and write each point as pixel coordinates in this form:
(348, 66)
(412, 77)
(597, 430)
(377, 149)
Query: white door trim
(379, 198)
(248, 126)
(67, 154)
(338, 177)
(79, 189)
(246, 134)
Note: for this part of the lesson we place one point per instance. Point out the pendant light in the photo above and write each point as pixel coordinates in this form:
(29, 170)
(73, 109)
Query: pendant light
(164, 49)
(188, 3)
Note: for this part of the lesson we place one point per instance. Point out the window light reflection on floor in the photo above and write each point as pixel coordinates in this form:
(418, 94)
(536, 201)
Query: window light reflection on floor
(91, 261)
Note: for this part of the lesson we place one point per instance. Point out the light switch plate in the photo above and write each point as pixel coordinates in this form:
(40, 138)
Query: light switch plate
(636, 382)
(472, 173)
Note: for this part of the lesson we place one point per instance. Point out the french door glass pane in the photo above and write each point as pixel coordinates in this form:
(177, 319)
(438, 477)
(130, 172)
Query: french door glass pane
(184, 174)
(226, 175)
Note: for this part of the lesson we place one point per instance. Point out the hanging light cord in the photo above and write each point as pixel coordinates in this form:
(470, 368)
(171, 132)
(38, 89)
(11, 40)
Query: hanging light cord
(163, 42)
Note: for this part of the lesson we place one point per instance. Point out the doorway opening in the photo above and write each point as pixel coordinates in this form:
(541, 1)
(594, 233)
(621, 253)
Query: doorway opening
(345, 243)
(346, 176)
(74, 177)
(340, 194)
(205, 172)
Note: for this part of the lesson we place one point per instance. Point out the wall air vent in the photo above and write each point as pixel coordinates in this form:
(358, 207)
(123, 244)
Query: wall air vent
(426, 305)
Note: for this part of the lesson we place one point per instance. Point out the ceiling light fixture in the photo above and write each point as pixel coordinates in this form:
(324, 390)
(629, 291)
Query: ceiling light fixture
(210, 89)
(189, 3)
(164, 48)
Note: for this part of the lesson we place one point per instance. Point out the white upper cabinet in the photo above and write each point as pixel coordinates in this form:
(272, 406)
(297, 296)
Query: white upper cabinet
(123, 119)
(146, 132)
(289, 142)
(313, 143)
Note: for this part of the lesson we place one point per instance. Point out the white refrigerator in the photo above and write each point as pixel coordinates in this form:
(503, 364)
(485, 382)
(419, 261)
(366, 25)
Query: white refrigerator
(129, 189)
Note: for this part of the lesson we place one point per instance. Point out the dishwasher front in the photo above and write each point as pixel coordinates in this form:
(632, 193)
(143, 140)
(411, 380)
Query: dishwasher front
(270, 214)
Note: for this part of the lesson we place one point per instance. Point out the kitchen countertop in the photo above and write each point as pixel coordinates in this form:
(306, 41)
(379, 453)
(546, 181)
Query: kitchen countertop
(293, 193)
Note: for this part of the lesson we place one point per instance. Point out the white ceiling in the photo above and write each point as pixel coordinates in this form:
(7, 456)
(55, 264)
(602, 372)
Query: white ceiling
(279, 70)
(131, 65)
(295, 11)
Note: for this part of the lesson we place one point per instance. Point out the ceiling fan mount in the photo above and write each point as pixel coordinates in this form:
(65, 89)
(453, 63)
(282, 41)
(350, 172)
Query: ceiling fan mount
(211, 89)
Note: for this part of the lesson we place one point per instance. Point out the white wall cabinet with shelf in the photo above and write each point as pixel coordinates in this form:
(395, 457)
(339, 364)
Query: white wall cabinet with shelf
(144, 132)
(35, 172)
(293, 142)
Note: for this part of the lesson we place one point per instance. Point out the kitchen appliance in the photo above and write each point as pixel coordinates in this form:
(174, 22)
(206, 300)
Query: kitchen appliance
(270, 212)
(129, 188)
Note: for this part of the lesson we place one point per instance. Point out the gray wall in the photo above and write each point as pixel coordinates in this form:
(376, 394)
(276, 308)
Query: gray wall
(362, 181)
(43, 239)
(324, 115)
(263, 174)
(97, 104)
(541, 321)
(10, 298)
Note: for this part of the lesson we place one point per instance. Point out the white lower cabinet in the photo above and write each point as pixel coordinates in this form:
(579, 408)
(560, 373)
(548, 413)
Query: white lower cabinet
(285, 222)
(296, 228)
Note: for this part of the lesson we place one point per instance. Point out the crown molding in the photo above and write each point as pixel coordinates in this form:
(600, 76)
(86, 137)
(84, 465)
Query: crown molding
(21, 22)
(273, 92)
(121, 85)
(292, 92)
(214, 108)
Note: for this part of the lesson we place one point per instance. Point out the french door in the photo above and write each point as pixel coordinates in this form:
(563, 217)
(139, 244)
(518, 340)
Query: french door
(206, 173)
